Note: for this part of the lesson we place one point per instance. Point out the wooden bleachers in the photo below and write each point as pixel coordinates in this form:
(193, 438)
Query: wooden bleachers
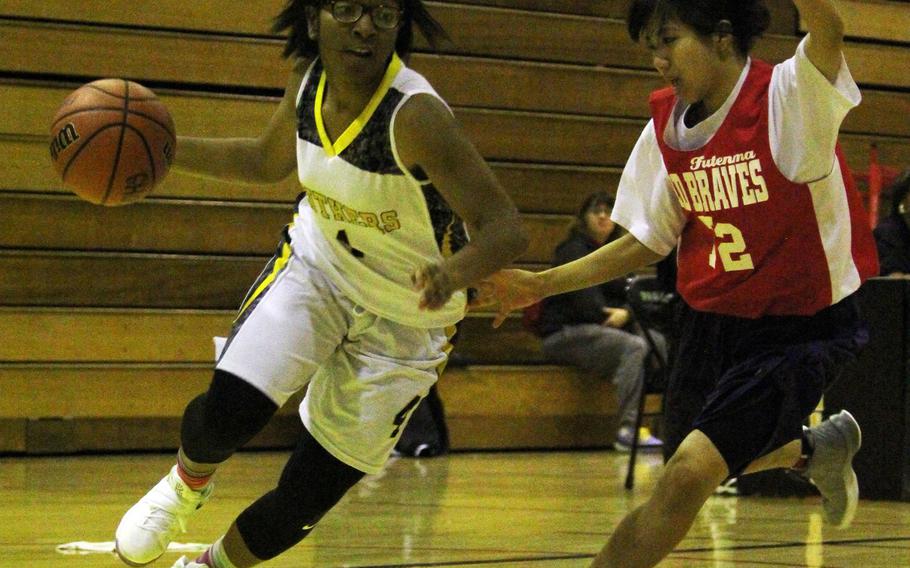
(106, 315)
(881, 20)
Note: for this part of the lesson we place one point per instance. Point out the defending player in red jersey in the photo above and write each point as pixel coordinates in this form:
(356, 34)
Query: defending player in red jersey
(740, 168)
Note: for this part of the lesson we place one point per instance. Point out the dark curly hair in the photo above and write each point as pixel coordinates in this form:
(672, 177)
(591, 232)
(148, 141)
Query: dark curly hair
(749, 18)
(293, 19)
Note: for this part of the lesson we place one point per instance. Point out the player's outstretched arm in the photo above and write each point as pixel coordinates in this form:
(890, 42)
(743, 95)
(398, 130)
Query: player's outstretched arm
(826, 35)
(428, 136)
(510, 290)
(268, 158)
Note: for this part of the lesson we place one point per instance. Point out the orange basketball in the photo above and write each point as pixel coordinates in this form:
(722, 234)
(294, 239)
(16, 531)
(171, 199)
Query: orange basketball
(112, 141)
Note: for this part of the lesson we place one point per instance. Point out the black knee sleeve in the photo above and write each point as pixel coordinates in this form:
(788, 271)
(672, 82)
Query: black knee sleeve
(312, 482)
(226, 417)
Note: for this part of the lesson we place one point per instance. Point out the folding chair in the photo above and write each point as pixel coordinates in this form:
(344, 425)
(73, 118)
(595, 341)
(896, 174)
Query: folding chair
(651, 306)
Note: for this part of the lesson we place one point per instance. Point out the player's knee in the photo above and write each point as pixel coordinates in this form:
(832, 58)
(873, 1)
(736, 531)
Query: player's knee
(686, 483)
(637, 346)
(227, 416)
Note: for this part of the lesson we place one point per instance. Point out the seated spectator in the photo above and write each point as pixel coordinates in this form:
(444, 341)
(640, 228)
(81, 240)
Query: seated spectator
(892, 235)
(591, 329)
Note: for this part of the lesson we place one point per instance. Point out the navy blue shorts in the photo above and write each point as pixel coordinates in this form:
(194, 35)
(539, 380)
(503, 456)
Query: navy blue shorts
(757, 380)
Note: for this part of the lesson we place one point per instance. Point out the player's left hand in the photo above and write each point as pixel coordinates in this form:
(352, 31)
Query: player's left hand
(434, 284)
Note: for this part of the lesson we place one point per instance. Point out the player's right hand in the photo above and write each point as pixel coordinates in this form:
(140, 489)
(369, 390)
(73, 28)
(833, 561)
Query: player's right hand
(507, 290)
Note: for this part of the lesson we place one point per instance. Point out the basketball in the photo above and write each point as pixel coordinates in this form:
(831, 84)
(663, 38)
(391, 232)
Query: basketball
(112, 141)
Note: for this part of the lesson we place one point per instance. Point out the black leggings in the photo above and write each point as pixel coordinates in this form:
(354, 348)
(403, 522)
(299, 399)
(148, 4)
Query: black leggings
(312, 482)
(220, 421)
(226, 417)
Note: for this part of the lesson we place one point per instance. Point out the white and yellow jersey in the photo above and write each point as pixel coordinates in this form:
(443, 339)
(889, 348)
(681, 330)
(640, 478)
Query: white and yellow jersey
(365, 220)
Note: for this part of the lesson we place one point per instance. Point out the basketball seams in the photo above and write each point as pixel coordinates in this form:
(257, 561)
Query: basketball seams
(148, 149)
(115, 95)
(156, 122)
(132, 112)
(126, 110)
(85, 144)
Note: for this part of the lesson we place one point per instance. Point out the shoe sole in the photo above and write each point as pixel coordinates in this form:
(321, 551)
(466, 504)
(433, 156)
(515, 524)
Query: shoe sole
(849, 475)
(129, 562)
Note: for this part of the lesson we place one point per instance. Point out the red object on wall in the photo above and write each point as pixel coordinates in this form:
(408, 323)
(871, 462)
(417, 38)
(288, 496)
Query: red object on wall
(876, 177)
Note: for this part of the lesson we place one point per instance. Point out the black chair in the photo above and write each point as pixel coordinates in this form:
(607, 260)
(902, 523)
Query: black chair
(652, 308)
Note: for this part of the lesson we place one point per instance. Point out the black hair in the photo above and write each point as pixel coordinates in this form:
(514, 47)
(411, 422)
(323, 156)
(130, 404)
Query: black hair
(746, 20)
(293, 19)
(898, 190)
(596, 199)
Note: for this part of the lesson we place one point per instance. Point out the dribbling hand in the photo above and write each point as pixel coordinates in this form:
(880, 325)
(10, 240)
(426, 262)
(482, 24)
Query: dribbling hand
(434, 285)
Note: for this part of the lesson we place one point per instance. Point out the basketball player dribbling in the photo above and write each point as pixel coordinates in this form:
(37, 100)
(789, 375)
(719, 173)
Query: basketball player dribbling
(360, 301)
(740, 167)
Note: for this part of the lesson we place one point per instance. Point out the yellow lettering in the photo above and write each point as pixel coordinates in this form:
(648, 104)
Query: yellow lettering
(742, 172)
(352, 216)
(704, 189)
(761, 191)
(369, 220)
(732, 252)
(337, 209)
(318, 200)
(680, 192)
(732, 247)
(390, 221)
(692, 186)
(721, 188)
(709, 222)
(729, 176)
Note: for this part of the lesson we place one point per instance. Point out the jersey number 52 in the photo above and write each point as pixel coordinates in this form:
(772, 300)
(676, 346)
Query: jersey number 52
(729, 245)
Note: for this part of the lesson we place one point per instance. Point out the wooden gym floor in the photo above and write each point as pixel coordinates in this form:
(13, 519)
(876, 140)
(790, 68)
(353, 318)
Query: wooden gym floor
(502, 510)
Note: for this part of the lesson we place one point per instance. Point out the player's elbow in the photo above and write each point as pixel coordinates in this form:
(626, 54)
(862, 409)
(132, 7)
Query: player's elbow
(517, 237)
(266, 167)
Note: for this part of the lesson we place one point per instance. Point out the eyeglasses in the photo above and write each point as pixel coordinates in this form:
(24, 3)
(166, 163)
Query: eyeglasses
(384, 17)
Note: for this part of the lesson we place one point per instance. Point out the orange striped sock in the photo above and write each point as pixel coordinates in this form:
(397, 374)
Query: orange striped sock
(194, 482)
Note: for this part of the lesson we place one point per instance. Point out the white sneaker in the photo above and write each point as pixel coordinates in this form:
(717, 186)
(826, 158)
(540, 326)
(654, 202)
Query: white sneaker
(146, 530)
(837, 440)
(185, 562)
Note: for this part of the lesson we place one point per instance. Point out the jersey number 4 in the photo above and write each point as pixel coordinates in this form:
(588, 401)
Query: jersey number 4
(403, 415)
(729, 245)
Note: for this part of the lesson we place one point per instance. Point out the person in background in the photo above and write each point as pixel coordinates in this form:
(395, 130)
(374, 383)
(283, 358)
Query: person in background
(592, 329)
(892, 235)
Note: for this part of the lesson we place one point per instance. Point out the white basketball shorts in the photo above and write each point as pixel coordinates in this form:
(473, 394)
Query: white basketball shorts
(365, 374)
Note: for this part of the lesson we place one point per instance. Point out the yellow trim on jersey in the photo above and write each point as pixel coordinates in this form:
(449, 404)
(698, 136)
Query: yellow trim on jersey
(355, 127)
(445, 247)
(280, 263)
(450, 332)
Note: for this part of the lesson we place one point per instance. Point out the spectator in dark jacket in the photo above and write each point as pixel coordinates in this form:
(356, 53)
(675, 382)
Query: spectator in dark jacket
(591, 328)
(892, 235)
